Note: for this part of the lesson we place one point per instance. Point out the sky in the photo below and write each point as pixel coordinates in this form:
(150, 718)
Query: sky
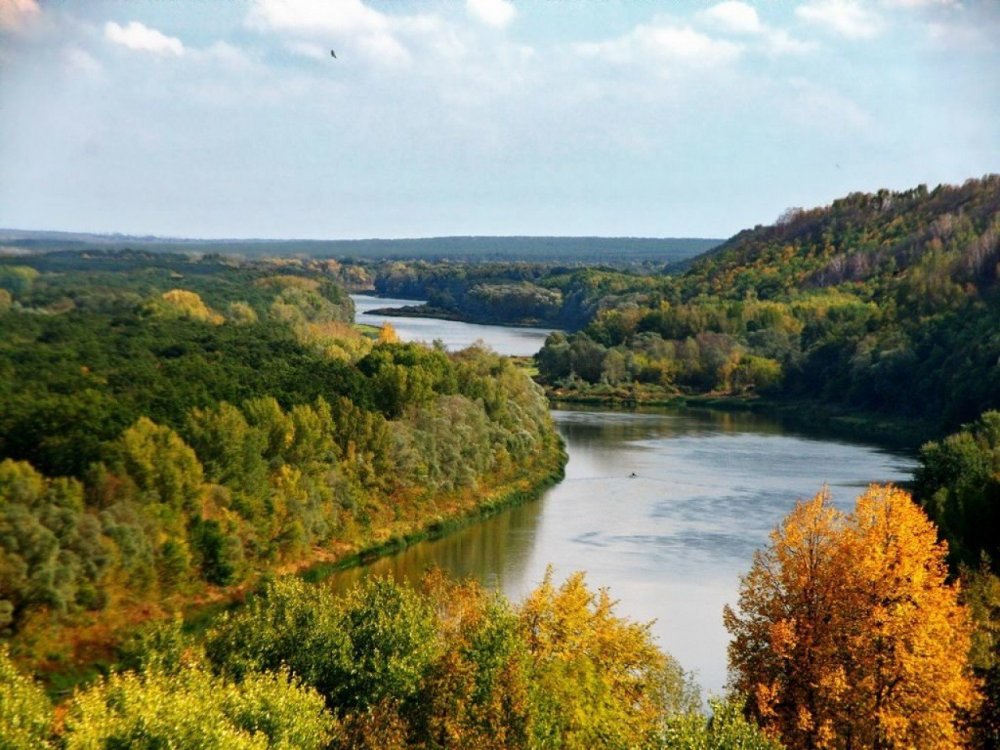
(230, 118)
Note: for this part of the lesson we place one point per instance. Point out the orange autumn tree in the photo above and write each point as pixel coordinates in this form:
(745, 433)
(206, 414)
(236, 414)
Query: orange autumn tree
(848, 634)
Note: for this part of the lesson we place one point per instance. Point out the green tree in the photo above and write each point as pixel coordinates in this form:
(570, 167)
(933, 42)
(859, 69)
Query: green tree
(958, 483)
(726, 729)
(163, 468)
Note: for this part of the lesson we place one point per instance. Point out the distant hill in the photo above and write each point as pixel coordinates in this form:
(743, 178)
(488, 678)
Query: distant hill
(584, 250)
(948, 233)
(886, 301)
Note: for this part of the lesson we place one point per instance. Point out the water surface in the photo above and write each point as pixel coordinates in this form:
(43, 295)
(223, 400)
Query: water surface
(663, 507)
(517, 342)
(670, 542)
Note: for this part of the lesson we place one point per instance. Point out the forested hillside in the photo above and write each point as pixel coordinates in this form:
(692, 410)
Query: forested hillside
(886, 301)
(166, 429)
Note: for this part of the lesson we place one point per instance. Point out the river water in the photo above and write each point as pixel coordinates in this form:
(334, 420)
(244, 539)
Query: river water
(507, 340)
(664, 507)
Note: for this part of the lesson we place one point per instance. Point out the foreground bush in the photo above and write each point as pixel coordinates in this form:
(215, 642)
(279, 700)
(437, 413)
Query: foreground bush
(25, 711)
(456, 666)
(193, 709)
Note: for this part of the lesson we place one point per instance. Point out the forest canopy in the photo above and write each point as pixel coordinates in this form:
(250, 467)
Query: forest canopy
(168, 425)
(886, 302)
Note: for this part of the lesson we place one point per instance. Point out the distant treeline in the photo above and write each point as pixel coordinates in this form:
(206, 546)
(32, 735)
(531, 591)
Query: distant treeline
(555, 295)
(583, 250)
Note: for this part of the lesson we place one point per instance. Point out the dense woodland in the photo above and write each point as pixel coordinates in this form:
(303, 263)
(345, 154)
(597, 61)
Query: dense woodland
(885, 302)
(387, 667)
(175, 429)
(168, 429)
(554, 295)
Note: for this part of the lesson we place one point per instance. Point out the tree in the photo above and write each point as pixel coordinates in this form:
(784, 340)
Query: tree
(727, 729)
(598, 680)
(185, 304)
(25, 712)
(958, 484)
(476, 693)
(784, 641)
(374, 644)
(163, 467)
(193, 709)
(387, 334)
(849, 635)
(981, 592)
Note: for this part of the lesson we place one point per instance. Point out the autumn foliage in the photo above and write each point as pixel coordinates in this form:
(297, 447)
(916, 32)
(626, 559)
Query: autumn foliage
(848, 634)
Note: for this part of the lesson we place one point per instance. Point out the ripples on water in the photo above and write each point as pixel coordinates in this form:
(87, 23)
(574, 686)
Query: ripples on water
(670, 542)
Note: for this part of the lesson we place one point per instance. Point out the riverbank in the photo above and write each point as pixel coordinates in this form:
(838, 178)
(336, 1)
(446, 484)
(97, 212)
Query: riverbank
(439, 313)
(899, 433)
(79, 651)
(494, 503)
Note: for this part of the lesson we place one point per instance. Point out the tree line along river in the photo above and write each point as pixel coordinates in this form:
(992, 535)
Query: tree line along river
(665, 507)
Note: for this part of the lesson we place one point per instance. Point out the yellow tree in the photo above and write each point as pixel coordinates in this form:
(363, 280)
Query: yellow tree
(785, 639)
(189, 305)
(598, 680)
(387, 334)
(849, 635)
(911, 638)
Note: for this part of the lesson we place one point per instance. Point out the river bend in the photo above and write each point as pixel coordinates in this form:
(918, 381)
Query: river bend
(665, 507)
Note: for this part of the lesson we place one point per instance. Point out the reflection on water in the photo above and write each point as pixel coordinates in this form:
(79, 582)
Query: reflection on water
(518, 342)
(494, 551)
(671, 541)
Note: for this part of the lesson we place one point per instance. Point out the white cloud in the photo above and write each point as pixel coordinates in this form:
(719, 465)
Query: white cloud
(920, 3)
(845, 17)
(735, 16)
(14, 14)
(663, 44)
(385, 48)
(964, 35)
(336, 24)
(497, 13)
(139, 37)
(308, 49)
(780, 42)
(226, 54)
(308, 17)
(813, 106)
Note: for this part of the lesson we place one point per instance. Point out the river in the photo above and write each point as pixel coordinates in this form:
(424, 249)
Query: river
(669, 542)
(508, 340)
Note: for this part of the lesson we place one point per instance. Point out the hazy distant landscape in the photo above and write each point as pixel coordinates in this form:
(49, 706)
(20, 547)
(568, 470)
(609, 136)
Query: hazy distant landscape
(577, 250)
